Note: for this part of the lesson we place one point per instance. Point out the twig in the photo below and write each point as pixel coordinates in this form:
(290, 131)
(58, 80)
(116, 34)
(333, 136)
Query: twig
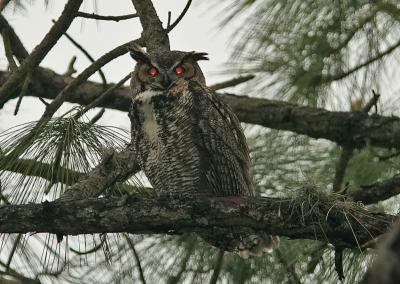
(217, 267)
(232, 82)
(347, 151)
(8, 50)
(103, 60)
(71, 69)
(92, 250)
(23, 92)
(17, 47)
(103, 96)
(106, 18)
(88, 56)
(344, 159)
(169, 19)
(373, 102)
(2, 197)
(43, 101)
(97, 116)
(41, 50)
(135, 254)
(327, 79)
(184, 11)
(12, 252)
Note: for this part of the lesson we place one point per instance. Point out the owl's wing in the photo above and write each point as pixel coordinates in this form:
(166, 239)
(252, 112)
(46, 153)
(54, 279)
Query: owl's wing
(222, 143)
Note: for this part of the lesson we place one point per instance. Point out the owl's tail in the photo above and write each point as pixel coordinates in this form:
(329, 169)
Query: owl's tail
(242, 244)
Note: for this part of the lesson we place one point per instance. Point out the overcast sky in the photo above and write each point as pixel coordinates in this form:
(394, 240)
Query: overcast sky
(197, 31)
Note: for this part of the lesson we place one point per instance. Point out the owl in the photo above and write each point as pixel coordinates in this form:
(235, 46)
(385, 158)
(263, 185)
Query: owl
(187, 140)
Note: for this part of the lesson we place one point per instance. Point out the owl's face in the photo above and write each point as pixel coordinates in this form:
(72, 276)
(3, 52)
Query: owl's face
(160, 71)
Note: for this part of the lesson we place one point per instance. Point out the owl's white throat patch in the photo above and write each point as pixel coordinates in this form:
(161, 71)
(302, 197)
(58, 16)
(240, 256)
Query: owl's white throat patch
(150, 126)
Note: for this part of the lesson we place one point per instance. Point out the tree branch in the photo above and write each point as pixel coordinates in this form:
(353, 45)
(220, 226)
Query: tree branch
(344, 128)
(232, 82)
(41, 50)
(114, 167)
(106, 18)
(87, 54)
(17, 46)
(177, 215)
(378, 191)
(154, 35)
(170, 27)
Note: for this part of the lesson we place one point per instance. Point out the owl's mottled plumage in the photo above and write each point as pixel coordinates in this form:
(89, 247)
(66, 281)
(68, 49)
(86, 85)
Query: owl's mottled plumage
(187, 139)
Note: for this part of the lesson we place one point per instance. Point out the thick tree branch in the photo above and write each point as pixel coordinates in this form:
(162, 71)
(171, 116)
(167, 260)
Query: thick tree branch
(40, 51)
(344, 128)
(176, 215)
(154, 35)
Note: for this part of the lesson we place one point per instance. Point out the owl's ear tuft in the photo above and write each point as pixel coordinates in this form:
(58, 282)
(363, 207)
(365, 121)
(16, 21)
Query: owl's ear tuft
(196, 56)
(138, 54)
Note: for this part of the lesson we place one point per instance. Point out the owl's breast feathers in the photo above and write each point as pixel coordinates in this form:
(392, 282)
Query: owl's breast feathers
(188, 140)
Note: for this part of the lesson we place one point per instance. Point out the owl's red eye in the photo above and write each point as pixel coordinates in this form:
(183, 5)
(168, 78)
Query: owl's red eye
(152, 71)
(179, 70)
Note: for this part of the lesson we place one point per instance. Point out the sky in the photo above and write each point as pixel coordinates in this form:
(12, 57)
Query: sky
(197, 31)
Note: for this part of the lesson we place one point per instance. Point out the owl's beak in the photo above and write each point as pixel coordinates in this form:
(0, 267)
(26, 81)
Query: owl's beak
(166, 82)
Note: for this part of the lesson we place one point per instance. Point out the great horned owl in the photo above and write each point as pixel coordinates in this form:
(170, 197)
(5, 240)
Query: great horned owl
(187, 140)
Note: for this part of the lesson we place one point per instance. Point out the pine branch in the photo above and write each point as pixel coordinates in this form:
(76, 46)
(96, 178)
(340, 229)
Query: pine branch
(40, 51)
(344, 128)
(178, 215)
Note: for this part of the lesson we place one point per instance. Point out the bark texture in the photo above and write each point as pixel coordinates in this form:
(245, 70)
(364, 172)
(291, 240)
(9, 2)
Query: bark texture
(177, 215)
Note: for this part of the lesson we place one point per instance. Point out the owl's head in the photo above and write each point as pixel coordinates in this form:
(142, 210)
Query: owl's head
(159, 71)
